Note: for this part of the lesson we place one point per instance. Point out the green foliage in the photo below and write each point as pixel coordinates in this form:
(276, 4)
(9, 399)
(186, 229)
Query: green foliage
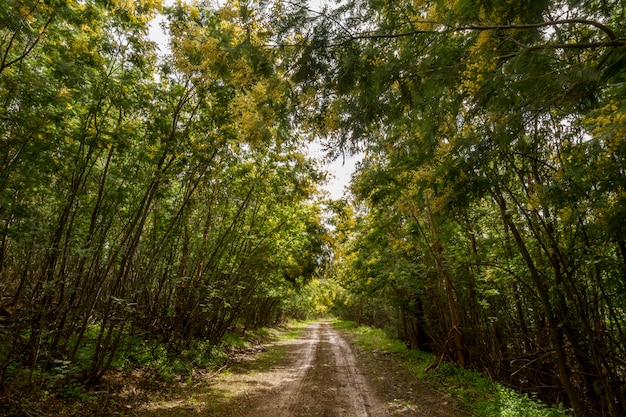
(75, 392)
(316, 298)
(166, 363)
(170, 194)
(507, 403)
(234, 341)
(493, 160)
(148, 204)
(477, 391)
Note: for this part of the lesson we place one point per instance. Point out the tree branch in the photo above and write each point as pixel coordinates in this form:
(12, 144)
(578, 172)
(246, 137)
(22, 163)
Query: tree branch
(609, 32)
(614, 40)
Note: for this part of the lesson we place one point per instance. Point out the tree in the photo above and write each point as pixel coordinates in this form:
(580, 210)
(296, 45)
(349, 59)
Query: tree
(480, 122)
(160, 195)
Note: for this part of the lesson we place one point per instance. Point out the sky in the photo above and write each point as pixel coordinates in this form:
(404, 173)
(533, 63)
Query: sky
(342, 172)
(339, 171)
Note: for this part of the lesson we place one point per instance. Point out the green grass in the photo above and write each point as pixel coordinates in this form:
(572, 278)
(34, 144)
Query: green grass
(481, 395)
(505, 402)
(275, 350)
(344, 324)
(262, 332)
(270, 357)
(161, 365)
(235, 341)
(295, 328)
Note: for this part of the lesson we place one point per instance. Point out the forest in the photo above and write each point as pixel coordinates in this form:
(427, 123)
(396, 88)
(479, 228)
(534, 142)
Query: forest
(166, 191)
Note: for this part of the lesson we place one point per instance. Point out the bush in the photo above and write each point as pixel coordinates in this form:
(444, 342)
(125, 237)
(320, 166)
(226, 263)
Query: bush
(476, 390)
(508, 403)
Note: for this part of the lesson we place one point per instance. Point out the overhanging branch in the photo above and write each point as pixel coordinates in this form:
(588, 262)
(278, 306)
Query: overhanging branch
(613, 39)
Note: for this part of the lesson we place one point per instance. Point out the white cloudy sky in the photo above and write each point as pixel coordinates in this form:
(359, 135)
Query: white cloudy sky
(342, 171)
(339, 171)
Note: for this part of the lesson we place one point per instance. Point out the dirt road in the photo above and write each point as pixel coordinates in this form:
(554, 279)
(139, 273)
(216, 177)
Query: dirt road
(317, 374)
(319, 378)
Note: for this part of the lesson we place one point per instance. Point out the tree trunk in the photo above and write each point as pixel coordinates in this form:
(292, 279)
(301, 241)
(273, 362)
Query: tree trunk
(556, 336)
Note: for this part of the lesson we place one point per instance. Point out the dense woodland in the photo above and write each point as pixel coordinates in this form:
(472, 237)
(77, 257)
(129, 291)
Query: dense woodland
(167, 197)
(166, 191)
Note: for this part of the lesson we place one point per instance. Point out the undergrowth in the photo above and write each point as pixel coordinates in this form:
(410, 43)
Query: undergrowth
(59, 389)
(483, 396)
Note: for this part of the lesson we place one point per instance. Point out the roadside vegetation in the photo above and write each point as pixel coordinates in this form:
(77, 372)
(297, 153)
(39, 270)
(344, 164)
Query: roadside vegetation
(479, 393)
(145, 370)
(155, 198)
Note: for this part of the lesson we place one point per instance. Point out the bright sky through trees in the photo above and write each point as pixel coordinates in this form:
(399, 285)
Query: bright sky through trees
(174, 193)
(340, 170)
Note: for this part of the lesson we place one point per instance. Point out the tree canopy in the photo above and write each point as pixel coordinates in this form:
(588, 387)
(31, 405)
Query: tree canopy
(170, 194)
(488, 211)
(144, 193)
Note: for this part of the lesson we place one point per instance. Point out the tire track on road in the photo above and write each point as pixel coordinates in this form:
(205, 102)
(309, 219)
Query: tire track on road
(322, 380)
(303, 370)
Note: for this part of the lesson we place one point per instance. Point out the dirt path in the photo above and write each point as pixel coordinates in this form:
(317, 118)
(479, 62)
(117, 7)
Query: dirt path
(322, 379)
(318, 374)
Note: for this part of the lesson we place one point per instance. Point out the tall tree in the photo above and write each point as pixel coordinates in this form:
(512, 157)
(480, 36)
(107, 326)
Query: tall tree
(480, 121)
(165, 194)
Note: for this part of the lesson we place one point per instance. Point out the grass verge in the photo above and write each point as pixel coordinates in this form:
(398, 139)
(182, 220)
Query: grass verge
(144, 370)
(485, 397)
(273, 351)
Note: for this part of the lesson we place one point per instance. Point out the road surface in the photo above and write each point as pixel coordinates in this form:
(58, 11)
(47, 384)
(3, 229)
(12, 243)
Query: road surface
(317, 374)
(321, 379)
